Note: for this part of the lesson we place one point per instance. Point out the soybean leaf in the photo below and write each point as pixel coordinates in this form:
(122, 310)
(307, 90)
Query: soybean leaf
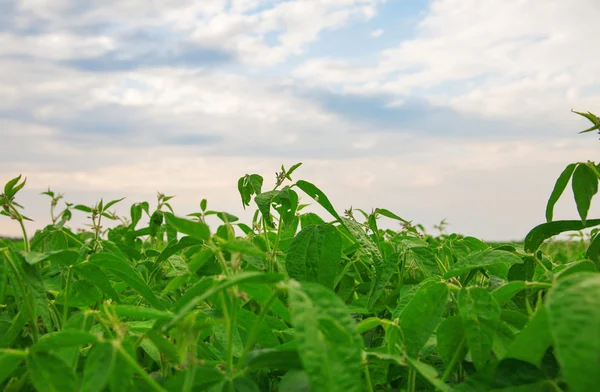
(197, 230)
(574, 315)
(315, 254)
(49, 373)
(504, 293)
(139, 312)
(318, 195)
(483, 259)
(295, 381)
(123, 270)
(542, 232)
(99, 364)
(328, 342)
(62, 339)
(451, 340)
(592, 117)
(531, 343)
(94, 275)
(422, 315)
(250, 184)
(585, 186)
(559, 187)
(480, 314)
(10, 360)
(389, 214)
(263, 201)
(270, 358)
(429, 373)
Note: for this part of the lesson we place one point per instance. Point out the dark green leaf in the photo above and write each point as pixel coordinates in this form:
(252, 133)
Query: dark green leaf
(585, 186)
(559, 187)
(318, 196)
(49, 373)
(485, 259)
(197, 230)
(98, 367)
(542, 232)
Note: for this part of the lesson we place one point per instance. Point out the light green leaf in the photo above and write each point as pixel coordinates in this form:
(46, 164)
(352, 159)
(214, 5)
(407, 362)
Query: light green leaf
(328, 342)
(197, 230)
(531, 343)
(10, 360)
(422, 315)
(57, 340)
(451, 339)
(484, 259)
(574, 316)
(315, 254)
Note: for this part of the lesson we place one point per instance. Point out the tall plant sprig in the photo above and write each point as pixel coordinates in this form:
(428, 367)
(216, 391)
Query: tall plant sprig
(97, 212)
(11, 208)
(65, 215)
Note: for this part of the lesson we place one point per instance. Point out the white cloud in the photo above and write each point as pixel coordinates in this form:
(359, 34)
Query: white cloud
(376, 33)
(520, 59)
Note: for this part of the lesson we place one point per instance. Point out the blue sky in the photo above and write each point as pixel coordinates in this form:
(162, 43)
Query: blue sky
(433, 109)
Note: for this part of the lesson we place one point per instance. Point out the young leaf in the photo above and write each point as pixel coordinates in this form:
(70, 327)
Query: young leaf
(58, 340)
(585, 186)
(451, 340)
(112, 203)
(250, 184)
(480, 314)
(559, 187)
(315, 254)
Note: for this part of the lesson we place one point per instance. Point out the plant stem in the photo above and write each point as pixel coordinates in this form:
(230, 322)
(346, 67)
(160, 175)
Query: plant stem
(454, 359)
(368, 378)
(133, 363)
(66, 306)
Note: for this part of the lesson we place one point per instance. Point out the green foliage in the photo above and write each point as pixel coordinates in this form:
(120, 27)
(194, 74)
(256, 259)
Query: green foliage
(298, 302)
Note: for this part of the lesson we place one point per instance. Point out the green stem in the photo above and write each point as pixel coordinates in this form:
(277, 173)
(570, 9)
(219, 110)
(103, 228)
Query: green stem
(454, 360)
(66, 306)
(412, 379)
(25, 239)
(256, 328)
(133, 363)
(368, 378)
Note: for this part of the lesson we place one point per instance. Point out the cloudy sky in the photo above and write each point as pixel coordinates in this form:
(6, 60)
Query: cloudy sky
(456, 109)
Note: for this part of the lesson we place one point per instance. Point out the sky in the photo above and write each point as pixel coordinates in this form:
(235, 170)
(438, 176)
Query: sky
(440, 109)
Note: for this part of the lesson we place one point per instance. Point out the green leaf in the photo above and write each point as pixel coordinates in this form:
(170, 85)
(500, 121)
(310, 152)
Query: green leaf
(272, 359)
(123, 270)
(593, 118)
(506, 292)
(515, 375)
(139, 312)
(197, 230)
(451, 338)
(559, 187)
(94, 275)
(112, 203)
(422, 315)
(585, 186)
(8, 187)
(429, 373)
(389, 214)
(542, 232)
(318, 196)
(574, 316)
(83, 208)
(242, 277)
(263, 201)
(315, 254)
(328, 342)
(99, 364)
(57, 340)
(295, 381)
(250, 184)
(484, 259)
(480, 314)
(49, 373)
(10, 360)
(242, 246)
(593, 251)
(531, 343)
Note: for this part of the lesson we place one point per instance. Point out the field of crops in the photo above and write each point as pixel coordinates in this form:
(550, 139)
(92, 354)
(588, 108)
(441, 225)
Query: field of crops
(294, 301)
